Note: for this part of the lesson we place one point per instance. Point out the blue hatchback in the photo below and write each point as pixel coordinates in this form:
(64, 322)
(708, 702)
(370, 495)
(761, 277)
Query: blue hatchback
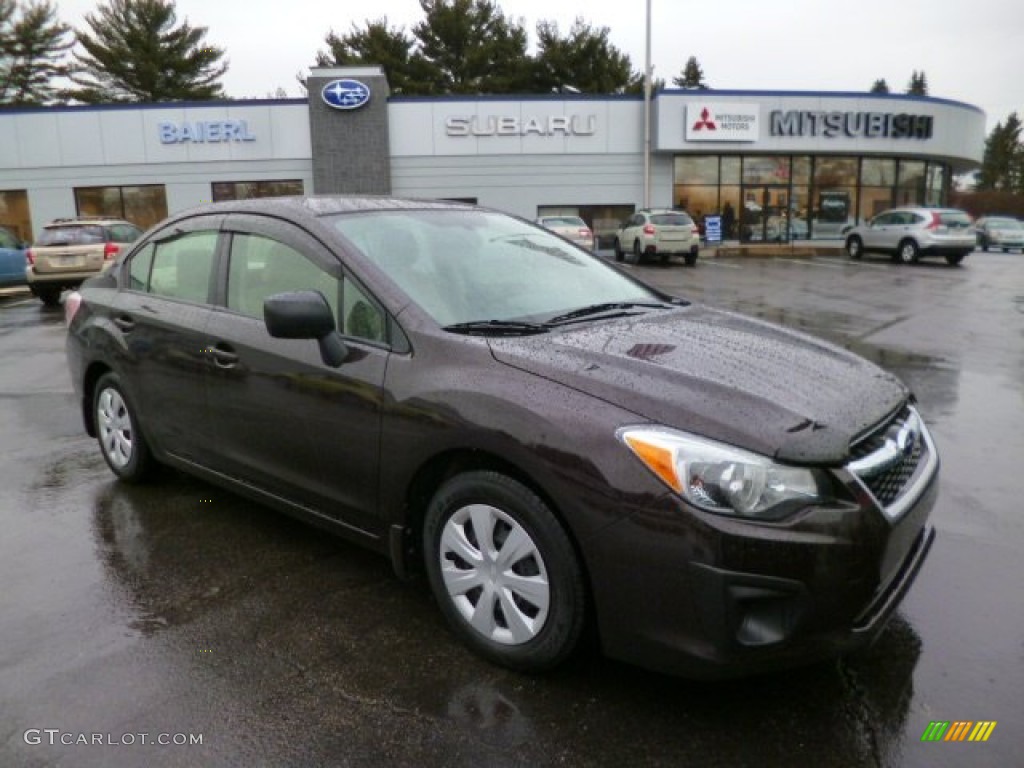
(12, 259)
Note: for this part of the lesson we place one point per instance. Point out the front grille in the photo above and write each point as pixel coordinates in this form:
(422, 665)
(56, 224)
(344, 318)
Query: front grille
(885, 462)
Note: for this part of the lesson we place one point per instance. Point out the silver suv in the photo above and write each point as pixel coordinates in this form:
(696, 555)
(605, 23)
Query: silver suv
(68, 251)
(657, 233)
(911, 233)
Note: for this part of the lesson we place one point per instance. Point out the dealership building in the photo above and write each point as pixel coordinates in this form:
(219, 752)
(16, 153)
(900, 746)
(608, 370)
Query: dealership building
(775, 164)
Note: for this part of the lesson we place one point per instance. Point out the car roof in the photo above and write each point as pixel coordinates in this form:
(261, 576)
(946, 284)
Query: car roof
(324, 205)
(78, 222)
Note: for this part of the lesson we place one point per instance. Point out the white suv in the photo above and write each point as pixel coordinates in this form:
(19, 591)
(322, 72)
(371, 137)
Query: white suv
(657, 233)
(910, 233)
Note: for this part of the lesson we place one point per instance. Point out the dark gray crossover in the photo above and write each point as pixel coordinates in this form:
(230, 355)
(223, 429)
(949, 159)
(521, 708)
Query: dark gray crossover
(559, 447)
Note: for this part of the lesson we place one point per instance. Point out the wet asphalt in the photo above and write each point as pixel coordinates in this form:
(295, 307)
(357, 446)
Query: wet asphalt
(177, 610)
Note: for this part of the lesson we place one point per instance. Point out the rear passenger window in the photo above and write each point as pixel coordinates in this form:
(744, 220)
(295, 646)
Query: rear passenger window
(138, 268)
(182, 267)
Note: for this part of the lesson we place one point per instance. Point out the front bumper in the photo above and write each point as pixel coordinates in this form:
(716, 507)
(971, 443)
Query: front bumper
(728, 598)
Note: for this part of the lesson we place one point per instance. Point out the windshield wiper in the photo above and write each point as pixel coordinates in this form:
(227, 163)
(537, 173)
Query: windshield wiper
(611, 306)
(496, 328)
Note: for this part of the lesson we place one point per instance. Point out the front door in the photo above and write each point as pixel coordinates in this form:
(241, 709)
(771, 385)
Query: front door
(764, 213)
(283, 421)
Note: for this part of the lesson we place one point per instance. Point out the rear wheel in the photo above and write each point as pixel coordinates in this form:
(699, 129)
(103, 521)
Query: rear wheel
(854, 247)
(617, 247)
(117, 431)
(665, 258)
(636, 254)
(691, 259)
(908, 252)
(504, 571)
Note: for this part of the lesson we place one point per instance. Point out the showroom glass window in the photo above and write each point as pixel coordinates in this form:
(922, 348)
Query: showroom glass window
(143, 205)
(696, 185)
(910, 188)
(182, 267)
(247, 190)
(833, 195)
(877, 179)
(14, 213)
(938, 183)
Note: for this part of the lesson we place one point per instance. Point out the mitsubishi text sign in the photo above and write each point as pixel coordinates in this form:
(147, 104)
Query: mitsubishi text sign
(718, 121)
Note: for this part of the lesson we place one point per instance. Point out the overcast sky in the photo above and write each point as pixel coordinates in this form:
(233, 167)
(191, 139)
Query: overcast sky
(970, 50)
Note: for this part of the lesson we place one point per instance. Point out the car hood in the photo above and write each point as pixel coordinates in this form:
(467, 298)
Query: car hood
(721, 375)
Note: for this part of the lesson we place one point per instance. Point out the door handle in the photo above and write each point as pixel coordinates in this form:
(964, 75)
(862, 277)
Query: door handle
(124, 322)
(224, 356)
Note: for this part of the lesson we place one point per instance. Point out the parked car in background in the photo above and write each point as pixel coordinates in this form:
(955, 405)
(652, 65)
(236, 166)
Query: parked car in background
(12, 259)
(663, 233)
(69, 251)
(909, 234)
(571, 228)
(1000, 232)
(556, 444)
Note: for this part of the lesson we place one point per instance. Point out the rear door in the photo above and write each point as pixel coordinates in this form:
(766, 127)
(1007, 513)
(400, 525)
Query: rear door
(283, 421)
(161, 313)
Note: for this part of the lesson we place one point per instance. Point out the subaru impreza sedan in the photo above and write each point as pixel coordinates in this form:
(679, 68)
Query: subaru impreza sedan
(559, 447)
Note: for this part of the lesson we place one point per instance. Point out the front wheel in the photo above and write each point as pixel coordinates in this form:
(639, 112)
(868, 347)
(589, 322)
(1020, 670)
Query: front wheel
(117, 431)
(504, 571)
(854, 248)
(908, 252)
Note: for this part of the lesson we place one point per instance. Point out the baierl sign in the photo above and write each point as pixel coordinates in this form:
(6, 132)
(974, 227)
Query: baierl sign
(458, 126)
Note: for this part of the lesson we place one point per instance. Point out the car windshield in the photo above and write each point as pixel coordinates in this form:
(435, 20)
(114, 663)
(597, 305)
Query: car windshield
(671, 219)
(84, 234)
(466, 266)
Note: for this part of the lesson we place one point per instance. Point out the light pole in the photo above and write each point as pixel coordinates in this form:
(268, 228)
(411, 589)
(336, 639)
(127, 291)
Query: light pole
(647, 112)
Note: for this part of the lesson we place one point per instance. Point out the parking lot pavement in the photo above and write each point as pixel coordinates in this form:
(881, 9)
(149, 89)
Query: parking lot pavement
(181, 611)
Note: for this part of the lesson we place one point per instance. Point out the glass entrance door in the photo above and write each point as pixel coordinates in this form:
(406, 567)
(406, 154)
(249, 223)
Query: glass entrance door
(769, 214)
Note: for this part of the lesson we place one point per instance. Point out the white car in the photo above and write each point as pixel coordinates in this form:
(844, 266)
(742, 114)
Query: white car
(572, 228)
(661, 233)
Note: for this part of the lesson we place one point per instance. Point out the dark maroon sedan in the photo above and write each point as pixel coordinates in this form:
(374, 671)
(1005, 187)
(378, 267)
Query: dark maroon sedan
(555, 443)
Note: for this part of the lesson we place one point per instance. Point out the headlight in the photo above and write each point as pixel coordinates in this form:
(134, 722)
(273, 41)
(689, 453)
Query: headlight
(723, 479)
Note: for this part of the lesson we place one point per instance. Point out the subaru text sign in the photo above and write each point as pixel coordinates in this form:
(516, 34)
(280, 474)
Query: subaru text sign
(345, 94)
(717, 121)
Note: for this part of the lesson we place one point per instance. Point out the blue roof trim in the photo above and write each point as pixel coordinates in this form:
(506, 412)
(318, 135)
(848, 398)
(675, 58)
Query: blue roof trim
(450, 98)
(152, 105)
(713, 92)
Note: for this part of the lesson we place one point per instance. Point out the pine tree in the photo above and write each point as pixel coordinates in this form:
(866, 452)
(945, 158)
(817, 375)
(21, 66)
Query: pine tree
(472, 47)
(389, 48)
(584, 60)
(137, 51)
(918, 85)
(880, 86)
(1003, 162)
(692, 75)
(33, 45)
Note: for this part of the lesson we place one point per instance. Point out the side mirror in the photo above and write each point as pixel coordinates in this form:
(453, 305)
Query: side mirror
(305, 315)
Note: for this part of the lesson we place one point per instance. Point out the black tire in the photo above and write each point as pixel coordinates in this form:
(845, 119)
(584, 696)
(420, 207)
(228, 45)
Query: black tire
(633, 255)
(617, 247)
(691, 259)
(545, 568)
(118, 432)
(49, 296)
(854, 247)
(1006, 250)
(908, 252)
(984, 245)
(953, 259)
(666, 258)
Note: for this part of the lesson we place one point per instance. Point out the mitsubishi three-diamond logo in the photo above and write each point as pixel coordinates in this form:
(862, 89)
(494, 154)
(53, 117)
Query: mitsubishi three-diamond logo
(705, 121)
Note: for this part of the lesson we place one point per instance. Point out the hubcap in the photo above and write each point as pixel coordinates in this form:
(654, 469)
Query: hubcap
(494, 574)
(115, 427)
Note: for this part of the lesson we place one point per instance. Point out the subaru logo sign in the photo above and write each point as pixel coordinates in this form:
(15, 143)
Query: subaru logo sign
(345, 94)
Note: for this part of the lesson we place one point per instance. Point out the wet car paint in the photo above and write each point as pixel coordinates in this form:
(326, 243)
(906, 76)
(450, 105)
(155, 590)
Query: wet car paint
(184, 608)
